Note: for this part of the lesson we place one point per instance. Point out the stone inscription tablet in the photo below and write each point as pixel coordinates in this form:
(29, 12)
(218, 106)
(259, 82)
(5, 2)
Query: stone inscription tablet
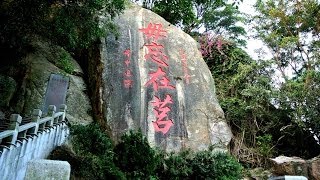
(56, 91)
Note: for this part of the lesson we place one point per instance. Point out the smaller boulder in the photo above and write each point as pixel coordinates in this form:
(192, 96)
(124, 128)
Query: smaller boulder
(49, 59)
(314, 168)
(283, 165)
(48, 169)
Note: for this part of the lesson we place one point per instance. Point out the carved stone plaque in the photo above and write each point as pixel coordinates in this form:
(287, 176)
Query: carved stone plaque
(56, 91)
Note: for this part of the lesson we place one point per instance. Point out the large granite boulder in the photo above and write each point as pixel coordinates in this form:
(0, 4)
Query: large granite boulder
(154, 78)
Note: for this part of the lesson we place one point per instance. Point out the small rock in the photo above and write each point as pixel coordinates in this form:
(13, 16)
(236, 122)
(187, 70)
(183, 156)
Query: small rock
(314, 168)
(48, 169)
(290, 166)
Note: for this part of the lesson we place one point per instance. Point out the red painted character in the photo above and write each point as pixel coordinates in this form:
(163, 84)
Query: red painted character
(184, 64)
(187, 77)
(154, 31)
(161, 111)
(158, 80)
(155, 53)
(127, 52)
(127, 62)
(159, 107)
(127, 83)
(128, 73)
(162, 126)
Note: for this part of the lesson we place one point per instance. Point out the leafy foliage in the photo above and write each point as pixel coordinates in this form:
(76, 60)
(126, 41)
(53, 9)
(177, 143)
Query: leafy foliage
(95, 158)
(200, 165)
(77, 26)
(215, 16)
(135, 157)
(183, 15)
(72, 24)
(264, 144)
(65, 62)
(96, 153)
(257, 111)
(175, 166)
(218, 165)
(291, 31)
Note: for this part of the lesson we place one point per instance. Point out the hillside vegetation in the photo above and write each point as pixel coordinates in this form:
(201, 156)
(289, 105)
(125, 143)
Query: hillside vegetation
(272, 105)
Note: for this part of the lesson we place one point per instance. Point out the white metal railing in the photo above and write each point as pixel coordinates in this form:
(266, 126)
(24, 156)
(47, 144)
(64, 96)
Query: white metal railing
(16, 132)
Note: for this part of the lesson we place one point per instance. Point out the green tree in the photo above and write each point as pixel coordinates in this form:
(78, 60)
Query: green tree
(93, 151)
(251, 103)
(70, 24)
(214, 16)
(291, 31)
(135, 157)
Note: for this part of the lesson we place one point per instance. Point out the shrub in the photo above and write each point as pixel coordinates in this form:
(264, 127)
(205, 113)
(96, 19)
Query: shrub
(95, 158)
(200, 165)
(65, 62)
(175, 166)
(218, 166)
(264, 145)
(135, 157)
(95, 150)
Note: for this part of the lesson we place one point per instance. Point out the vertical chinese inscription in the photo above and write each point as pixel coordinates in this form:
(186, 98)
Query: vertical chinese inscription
(158, 79)
(127, 80)
(184, 65)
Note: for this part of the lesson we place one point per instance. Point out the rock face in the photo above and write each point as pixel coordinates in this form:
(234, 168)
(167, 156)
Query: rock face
(7, 90)
(154, 78)
(34, 77)
(43, 63)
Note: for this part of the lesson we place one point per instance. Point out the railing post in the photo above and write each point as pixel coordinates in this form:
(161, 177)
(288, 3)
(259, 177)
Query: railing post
(36, 115)
(51, 112)
(63, 109)
(15, 121)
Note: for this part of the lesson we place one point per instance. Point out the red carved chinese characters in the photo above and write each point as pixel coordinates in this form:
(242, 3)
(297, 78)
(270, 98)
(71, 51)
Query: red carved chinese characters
(185, 66)
(127, 81)
(158, 79)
